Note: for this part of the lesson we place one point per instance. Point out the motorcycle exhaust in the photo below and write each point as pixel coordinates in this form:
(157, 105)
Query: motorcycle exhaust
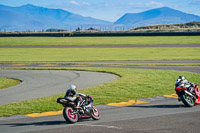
(189, 94)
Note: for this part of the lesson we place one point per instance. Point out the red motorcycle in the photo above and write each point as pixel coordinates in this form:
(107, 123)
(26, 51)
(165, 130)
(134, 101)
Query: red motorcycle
(86, 110)
(190, 96)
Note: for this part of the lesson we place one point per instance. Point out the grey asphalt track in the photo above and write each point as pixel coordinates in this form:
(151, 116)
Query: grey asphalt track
(42, 83)
(163, 115)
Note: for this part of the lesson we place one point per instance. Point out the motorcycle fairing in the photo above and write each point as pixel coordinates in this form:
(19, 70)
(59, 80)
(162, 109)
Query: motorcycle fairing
(197, 101)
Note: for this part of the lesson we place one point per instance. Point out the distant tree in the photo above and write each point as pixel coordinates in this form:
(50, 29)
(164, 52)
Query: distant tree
(55, 30)
(92, 29)
(78, 29)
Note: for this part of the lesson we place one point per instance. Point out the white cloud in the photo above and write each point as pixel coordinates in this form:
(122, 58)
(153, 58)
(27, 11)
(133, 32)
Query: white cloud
(146, 5)
(154, 4)
(79, 3)
(135, 4)
(74, 3)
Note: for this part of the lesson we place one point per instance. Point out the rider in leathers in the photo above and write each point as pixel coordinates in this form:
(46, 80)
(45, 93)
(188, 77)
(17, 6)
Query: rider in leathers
(70, 95)
(182, 82)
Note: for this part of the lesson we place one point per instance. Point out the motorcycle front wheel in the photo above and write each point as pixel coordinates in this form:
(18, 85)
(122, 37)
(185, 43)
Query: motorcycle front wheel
(187, 100)
(95, 113)
(69, 115)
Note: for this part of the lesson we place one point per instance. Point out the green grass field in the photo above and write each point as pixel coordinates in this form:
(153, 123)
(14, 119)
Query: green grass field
(96, 54)
(133, 84)
(146, 40)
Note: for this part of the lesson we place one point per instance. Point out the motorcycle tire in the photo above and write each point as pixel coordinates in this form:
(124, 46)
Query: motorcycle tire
(188, 101)
(95, 113)
(69, 115)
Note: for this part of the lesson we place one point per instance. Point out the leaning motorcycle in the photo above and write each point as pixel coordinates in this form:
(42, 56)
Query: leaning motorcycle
(86, 110)
(189, 96)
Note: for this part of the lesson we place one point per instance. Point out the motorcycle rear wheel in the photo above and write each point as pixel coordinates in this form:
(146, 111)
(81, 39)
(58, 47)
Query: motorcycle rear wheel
(69, 115)
(187, 100)
(95, 113)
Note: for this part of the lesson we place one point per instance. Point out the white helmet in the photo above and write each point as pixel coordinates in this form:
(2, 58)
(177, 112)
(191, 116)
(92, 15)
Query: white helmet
(72, 87)
(181, 77)
(179, 81)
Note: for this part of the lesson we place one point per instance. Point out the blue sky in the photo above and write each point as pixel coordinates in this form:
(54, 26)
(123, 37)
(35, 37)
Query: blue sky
(109, 10)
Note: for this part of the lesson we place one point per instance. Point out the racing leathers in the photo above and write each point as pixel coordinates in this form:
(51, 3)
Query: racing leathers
(70, 95)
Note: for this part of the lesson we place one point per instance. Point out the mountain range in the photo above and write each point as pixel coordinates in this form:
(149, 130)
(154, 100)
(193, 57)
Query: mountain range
(30, 17)
(34, 18)
(162, 15)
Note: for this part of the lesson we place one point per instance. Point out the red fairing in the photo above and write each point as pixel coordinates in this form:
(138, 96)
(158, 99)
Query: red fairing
(189, 96)
(197, 101)
(178, 90)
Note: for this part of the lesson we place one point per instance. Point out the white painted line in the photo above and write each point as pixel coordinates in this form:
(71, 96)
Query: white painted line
(105, 126)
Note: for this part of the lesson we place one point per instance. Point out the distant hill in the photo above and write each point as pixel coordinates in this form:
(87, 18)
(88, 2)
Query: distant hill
(30, 17)
(162, 15)
(33, 18)
(183, 27)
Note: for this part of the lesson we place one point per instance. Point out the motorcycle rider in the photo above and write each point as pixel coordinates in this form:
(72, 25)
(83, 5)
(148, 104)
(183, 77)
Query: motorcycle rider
(71, 91)
(182, 82)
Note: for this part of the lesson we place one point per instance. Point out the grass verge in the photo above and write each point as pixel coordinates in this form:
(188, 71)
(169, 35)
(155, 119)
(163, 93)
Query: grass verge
(96, 54)
(133, 84)
(143, 40)
(5, 82)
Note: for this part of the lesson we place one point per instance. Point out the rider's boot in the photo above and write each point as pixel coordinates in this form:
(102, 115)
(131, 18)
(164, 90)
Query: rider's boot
(179, 99)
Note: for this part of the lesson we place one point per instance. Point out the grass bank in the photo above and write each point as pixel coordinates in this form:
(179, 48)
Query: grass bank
(145, 40)
(96, 54)
(133, 84)
(5, 82)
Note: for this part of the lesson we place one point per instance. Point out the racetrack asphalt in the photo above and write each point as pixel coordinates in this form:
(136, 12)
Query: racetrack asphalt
(42, 83)
(164, 115)
(195, 69)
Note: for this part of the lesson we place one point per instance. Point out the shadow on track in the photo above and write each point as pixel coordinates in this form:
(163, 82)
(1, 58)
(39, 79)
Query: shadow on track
(43, 123)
